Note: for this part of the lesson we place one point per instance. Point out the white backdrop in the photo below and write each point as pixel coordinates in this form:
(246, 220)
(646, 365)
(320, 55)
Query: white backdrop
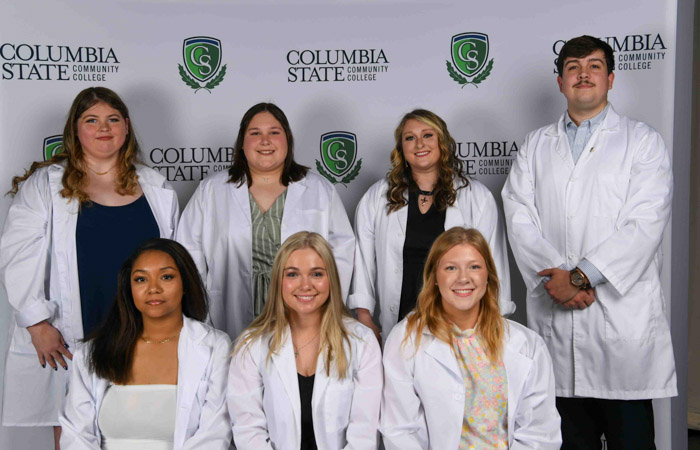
(284, 53)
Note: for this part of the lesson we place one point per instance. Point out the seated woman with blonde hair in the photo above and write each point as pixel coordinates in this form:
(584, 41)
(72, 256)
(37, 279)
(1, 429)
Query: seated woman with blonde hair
(305, 374)
(459, 375)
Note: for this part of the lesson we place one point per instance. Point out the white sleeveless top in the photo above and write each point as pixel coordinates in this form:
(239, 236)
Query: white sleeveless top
(138, 417)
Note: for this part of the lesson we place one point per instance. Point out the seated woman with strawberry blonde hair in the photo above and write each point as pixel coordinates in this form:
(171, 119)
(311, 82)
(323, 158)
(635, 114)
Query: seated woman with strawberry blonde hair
(459, 375)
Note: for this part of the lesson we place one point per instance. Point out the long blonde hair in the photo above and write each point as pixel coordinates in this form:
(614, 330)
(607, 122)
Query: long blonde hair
(429, 311)
(75, 173)
(450, 167)
(274, 320)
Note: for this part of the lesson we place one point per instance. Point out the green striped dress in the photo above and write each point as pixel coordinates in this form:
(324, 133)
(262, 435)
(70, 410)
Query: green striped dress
(267, 230)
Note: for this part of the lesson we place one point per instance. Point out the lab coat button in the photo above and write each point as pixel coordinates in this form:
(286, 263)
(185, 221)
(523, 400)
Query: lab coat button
(393, 308)
(458, 396)
(570, 217)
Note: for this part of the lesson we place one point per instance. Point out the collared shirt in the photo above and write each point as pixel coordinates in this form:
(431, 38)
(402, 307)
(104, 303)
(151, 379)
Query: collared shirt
(580, 135)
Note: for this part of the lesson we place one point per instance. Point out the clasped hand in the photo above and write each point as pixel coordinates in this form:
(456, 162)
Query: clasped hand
(564, 293)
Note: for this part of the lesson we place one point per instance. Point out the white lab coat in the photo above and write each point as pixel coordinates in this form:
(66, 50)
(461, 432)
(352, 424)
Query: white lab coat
(263, 397)
(39, 269)
(216, 228)
(201, 418)
(380, 240)
(610, 208)
(424, 392)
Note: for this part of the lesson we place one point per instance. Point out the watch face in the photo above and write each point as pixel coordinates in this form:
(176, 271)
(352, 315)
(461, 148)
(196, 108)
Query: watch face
(577, 279)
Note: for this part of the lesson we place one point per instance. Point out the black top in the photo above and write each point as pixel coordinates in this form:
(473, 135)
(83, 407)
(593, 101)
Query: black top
(421, 232)
(306, 390)
(104, 237)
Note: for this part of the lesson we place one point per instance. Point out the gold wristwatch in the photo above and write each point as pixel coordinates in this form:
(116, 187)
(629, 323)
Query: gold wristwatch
(579, 279)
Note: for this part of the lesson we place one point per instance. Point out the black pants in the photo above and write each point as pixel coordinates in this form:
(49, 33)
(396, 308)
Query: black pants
(626, 424)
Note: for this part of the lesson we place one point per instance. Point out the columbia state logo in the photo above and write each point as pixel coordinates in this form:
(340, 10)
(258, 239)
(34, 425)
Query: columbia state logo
(338, 155)
(470, 51)
(202, 63)
(52, 145)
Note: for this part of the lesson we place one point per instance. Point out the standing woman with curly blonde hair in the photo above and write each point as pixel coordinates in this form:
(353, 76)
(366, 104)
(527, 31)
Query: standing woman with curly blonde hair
(398, 218)
(73, 220)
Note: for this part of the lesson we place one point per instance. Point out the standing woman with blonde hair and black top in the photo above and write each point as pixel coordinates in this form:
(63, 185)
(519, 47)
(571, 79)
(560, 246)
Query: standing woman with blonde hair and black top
(305, 374)
(459, 375)
(398, 218)
(73, 220)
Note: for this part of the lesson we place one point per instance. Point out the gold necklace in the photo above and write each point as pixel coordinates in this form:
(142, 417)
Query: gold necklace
(159, 341)
(296, 349)
(101, 173)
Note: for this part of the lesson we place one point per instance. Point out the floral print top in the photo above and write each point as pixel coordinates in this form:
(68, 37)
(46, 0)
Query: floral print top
(485, 423)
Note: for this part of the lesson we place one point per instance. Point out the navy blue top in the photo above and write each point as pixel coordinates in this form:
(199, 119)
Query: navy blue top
(104, 237)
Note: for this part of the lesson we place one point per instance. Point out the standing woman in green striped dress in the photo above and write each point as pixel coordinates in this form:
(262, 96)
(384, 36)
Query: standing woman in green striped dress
(236, 220)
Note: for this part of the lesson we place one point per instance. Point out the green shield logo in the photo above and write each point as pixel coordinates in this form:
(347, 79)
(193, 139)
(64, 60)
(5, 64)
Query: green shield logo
(202, 56)
(52, 145)
(338, 151)
(470, 52)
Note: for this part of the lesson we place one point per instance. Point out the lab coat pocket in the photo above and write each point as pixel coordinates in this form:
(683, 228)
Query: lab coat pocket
(21, 341)
(540, 311)
(338, 400)
(632, 316)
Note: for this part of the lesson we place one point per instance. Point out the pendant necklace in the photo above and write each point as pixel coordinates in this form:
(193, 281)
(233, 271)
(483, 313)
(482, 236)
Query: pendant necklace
(296, 349)
(425, 195)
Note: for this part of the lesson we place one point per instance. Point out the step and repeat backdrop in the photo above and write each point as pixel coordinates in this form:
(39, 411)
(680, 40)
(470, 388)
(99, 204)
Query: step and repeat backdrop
(344, 74)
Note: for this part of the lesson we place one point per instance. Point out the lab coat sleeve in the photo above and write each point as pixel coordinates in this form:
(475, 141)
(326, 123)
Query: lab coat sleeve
(342, 241)
(363, 292)
(363, 427)
(244, 396)
(190, 229)
(489, 223)
(25, 248)
(174, 211)
(214, 431)
(625, 256)
(402, 421)
(537, 422)
(79, 416)
(532, 251)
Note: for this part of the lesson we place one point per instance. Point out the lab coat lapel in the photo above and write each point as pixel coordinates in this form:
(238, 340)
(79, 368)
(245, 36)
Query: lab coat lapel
(454, 217)
(293, 208)
(401, 216)
(287, 372)
(192, 363)
(320, 383)
(442, 353)
(64, 222)
(557, 132)
(159, 199)
(600, 137)
(517, 368)
(240, 195)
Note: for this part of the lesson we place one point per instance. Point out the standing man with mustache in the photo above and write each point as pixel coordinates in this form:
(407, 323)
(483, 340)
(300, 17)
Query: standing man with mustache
(586, 204)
